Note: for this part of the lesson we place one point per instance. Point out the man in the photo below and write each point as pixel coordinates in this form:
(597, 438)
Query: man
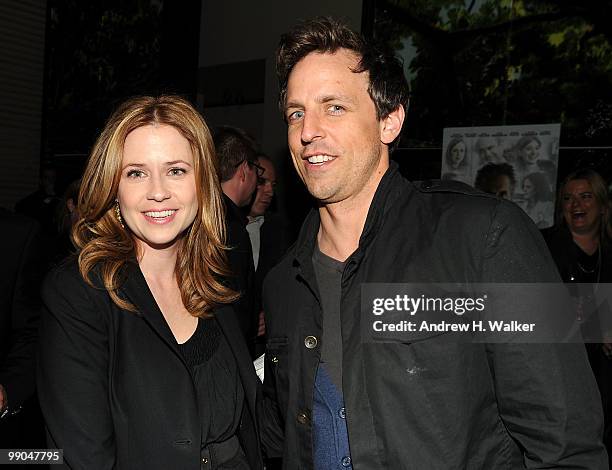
(269, 234)
(333, 399)
(268, 231)
(238, 172)
(496, 178)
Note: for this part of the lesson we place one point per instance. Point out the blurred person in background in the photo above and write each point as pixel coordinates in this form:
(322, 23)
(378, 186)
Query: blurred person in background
(23, 266)
(581, 245)
(238, 172)
(496, 178)
(268, 231)
(66, 216)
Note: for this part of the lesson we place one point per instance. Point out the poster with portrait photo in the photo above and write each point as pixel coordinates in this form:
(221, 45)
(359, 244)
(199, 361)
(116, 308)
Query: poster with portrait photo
(518, 163)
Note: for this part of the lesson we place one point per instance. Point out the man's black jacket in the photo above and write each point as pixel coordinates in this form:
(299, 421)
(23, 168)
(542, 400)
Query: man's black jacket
(242, 279)
(429, 404)
(20, 305)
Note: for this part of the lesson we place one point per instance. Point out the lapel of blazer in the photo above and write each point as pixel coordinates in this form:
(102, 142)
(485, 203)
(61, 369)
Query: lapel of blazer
(138, 293)
(232, 332)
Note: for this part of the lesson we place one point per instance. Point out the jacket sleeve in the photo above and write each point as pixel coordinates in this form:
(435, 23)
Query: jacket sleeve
(546, 393)
(271, 425)
(73, 373)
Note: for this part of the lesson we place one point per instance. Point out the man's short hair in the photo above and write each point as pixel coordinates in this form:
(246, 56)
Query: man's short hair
(488, 176)
(388, 87)
(233, 146)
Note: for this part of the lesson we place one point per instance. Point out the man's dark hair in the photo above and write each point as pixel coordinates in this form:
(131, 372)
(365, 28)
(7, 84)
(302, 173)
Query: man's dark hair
(487, 178)
(233, 146)
(388, 87)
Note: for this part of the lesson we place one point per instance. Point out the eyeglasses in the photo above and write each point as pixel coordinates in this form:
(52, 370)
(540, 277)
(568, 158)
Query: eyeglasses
(259, 169)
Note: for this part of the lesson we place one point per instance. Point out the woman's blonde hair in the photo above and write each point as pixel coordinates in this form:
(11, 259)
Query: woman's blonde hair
(103, 242)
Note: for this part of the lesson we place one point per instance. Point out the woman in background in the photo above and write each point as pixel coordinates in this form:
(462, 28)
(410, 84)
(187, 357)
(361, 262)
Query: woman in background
(456, 155)
(537, 199)
(526, 154)
(581, 247)
(142, 365)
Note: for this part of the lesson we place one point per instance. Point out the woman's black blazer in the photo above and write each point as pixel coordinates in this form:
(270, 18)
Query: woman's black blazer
(113, 387)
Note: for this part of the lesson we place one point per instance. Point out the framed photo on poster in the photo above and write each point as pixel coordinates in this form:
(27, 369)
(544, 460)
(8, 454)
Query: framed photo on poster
(518, 163)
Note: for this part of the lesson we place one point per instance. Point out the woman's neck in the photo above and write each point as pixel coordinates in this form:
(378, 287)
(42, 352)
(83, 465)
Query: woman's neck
(158, 265)
(587, 242)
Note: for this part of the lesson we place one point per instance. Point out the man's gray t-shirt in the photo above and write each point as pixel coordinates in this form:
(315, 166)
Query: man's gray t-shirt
(328, 272)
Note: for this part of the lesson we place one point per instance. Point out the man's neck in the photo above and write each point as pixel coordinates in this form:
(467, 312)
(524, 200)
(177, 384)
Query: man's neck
(342, 223)
(230, 189)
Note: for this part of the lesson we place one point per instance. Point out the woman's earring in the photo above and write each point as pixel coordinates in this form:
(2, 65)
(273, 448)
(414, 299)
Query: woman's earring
(118, 213)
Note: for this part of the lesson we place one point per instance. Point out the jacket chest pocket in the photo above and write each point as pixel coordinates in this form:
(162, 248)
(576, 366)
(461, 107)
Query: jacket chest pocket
(276, 373)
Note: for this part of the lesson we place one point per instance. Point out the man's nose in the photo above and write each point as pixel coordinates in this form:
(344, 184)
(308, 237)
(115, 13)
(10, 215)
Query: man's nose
(312, 128)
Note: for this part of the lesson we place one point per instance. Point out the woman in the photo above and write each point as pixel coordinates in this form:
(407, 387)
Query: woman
(526, 153)
(580, 245)
(142, 365)
(455, 155)
(537, 199)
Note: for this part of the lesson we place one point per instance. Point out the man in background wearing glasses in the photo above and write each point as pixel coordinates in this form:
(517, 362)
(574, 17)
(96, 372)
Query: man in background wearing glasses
(238, 173)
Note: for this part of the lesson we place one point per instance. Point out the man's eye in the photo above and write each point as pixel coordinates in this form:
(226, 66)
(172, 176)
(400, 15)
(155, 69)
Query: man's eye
(177, 171)
(135, 174)
(295, 115)
(336, 109)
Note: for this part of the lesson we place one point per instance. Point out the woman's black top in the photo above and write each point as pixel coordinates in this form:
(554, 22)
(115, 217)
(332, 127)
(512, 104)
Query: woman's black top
(219, 392)
(582, 273)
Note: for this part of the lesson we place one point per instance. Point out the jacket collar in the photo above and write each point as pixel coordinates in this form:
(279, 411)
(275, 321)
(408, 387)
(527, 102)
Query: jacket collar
(235, 210)
(390, 187)
(136, 290)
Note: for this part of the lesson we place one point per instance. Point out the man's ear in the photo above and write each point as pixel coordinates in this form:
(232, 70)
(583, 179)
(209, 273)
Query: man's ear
(391, 126)
(243, 170)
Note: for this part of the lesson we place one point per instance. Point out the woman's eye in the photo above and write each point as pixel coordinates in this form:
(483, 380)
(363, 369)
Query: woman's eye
(135, 174)
(177, 171)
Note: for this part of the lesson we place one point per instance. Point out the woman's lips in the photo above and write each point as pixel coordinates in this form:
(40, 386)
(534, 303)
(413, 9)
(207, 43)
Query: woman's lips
(160, 217)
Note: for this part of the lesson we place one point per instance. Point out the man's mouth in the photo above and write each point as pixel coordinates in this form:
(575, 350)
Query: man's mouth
(319, 159)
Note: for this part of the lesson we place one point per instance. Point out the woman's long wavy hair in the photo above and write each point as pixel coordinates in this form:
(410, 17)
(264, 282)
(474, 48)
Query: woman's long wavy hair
(103, 242)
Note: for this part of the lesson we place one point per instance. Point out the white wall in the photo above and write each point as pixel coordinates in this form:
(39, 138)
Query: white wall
(242, 30)
(22, 35)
